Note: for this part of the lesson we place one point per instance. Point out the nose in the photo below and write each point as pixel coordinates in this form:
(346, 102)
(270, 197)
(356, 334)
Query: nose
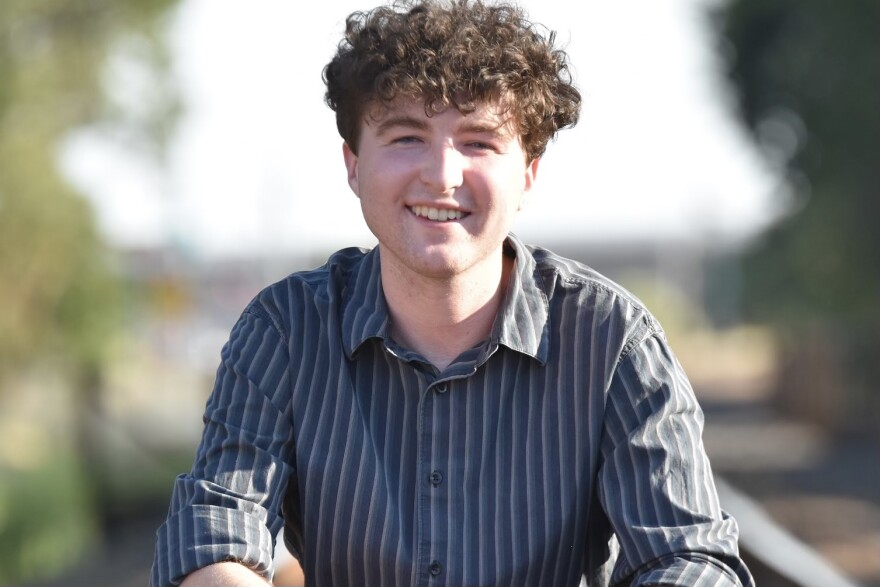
(443, 169)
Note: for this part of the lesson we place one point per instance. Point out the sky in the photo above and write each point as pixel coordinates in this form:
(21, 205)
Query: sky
(255, 165)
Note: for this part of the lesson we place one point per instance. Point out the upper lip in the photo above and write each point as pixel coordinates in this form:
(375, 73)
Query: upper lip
(439, 205)
(435, 212)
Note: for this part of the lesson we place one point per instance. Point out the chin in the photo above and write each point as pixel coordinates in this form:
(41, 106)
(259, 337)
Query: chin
(440, 270)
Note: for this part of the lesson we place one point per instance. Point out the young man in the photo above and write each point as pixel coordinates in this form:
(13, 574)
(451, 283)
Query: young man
(452, 407)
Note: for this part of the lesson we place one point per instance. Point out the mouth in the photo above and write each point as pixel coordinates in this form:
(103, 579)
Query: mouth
(438, 214)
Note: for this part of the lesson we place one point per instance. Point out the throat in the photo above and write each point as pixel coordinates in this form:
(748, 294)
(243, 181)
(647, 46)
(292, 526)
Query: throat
(440, 324)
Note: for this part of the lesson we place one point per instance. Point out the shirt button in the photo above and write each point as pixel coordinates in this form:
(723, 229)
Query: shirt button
(441, 388)
(436, 568)
(436, 478)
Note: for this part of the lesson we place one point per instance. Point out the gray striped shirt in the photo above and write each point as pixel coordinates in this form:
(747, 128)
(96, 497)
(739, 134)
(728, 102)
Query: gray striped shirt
(567, 446)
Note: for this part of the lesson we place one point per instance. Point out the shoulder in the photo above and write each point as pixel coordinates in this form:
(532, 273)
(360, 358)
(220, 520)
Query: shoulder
(565, 274)
(579, 293)
(311, 291)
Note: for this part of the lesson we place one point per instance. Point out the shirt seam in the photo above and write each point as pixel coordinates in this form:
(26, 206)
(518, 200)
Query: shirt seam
(257, 311)
(652, 326)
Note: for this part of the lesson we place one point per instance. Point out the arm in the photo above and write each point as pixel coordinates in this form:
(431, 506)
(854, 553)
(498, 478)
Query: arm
(224, 575)
(656, 484)
(228, 507)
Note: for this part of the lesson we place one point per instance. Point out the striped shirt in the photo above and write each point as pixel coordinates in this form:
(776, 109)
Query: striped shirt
(565, 448)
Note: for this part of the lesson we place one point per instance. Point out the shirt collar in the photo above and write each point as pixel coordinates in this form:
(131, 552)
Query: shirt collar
(521, 324)
(364, 310)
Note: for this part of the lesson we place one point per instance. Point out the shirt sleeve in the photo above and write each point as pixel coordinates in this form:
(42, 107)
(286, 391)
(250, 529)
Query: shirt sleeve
(227, 507)
(655, 482)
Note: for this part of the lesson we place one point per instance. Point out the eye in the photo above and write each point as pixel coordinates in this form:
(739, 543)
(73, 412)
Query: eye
(406, 139)
(482, 146)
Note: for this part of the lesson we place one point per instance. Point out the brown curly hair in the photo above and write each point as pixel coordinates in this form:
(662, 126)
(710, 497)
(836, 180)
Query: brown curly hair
(452, 52)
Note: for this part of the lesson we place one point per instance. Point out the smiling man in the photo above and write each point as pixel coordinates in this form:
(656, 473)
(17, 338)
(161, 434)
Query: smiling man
(452, 407)
(440, 192)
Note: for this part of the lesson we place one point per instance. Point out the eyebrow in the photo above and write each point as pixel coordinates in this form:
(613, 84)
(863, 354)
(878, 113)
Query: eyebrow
(400, 120)
(497, 130)
(416, 123)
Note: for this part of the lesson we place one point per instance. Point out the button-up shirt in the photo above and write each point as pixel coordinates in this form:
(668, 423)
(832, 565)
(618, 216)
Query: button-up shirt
(565, 447)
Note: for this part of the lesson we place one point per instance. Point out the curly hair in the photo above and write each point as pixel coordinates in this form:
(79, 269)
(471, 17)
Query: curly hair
(452, 53)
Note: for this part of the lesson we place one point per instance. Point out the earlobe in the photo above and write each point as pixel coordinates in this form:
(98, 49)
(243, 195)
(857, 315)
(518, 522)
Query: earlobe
(532, 173)
(351, 168)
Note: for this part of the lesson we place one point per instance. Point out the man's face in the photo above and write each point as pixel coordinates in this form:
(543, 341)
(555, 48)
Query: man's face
(440, 193)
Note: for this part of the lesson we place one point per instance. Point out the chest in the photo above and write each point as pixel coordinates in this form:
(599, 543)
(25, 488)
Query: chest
(407, 478)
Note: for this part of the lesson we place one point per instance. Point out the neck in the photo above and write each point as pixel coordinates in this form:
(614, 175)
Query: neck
(441, 318)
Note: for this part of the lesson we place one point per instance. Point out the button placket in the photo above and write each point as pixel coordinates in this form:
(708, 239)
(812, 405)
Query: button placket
(431, 490)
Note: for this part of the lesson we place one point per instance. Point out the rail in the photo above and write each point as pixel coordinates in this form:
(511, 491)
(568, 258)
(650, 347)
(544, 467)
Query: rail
(774, 555)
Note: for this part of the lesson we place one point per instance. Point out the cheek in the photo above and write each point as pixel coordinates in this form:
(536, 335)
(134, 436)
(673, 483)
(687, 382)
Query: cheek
(385, 175)
(511, 188)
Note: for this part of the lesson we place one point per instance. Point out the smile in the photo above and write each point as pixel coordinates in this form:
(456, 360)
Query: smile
(438, 214)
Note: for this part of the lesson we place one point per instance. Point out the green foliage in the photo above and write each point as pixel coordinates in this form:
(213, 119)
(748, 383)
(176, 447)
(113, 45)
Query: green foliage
(808, 76)
(58, 293)
(55, 289)
(44, 520)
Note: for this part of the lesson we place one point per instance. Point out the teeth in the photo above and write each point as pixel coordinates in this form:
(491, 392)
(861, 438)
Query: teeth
(439, 214)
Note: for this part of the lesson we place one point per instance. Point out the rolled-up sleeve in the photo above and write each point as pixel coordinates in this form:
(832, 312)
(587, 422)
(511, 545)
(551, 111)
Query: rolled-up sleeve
(227, 507)
(656, 484)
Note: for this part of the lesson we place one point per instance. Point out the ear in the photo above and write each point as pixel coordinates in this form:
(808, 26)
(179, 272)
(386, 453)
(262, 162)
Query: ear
(351, 168)
(531, 176)
(532, 172)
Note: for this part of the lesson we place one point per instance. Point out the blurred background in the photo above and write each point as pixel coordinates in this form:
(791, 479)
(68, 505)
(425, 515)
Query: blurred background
(163, 160)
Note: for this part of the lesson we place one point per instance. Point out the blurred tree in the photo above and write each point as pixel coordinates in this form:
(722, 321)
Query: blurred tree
(57, 292)
(807, 73)
(52, 274)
